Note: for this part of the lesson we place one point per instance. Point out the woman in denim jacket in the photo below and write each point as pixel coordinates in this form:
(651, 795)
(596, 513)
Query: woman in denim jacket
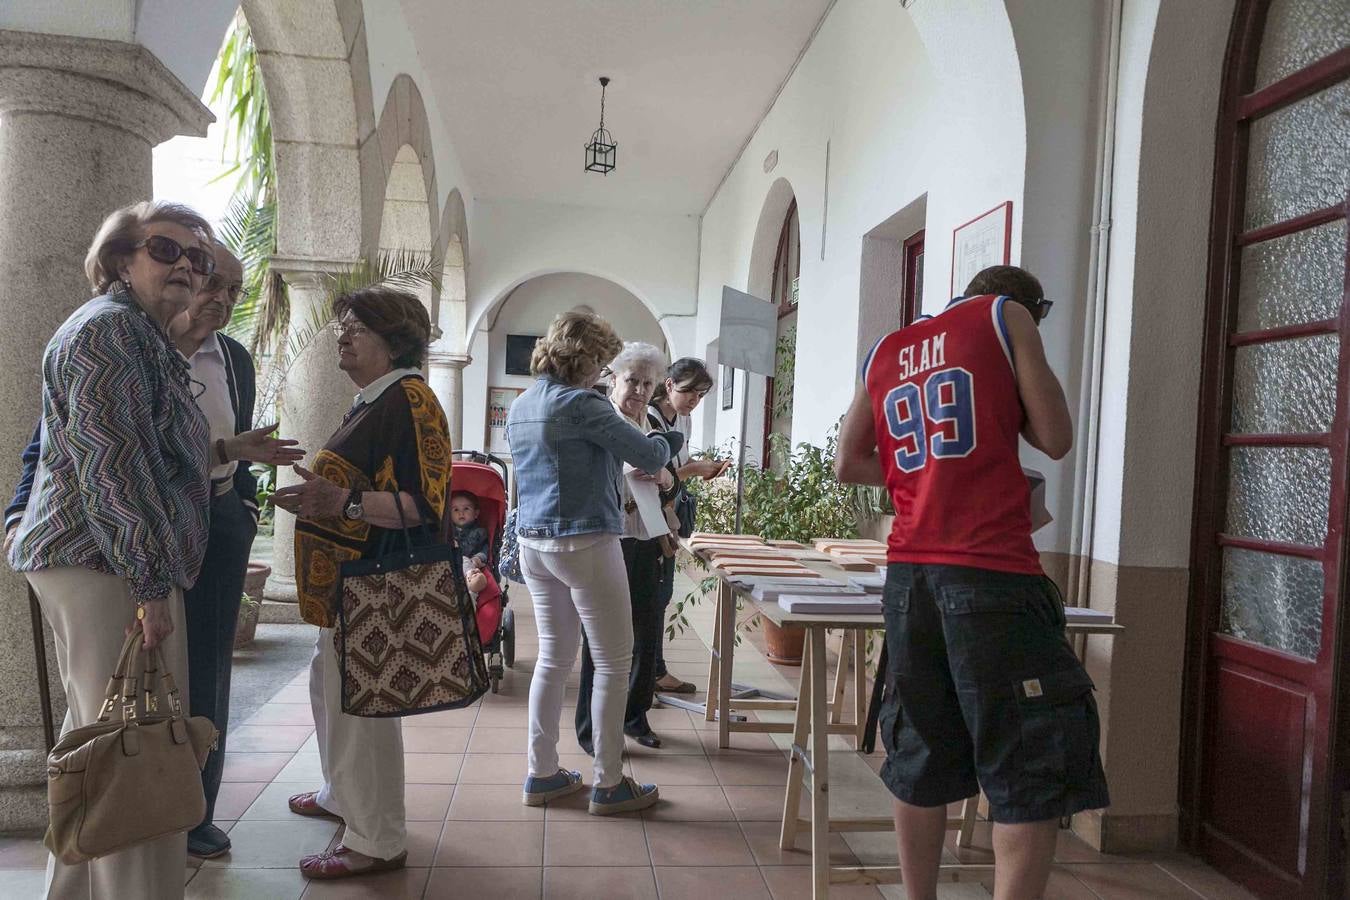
(568, 444)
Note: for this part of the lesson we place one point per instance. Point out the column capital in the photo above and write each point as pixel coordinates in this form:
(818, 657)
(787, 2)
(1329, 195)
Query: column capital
(448, 359)
(309, 271)
(117, 83)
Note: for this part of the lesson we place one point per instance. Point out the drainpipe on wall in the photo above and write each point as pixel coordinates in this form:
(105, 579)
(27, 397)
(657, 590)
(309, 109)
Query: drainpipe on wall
(1090, 401)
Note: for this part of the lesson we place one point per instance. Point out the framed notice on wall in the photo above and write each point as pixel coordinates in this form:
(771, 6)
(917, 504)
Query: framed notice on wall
(984, 241)
(499, 400)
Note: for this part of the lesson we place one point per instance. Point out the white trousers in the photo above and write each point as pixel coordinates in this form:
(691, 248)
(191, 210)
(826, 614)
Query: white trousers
(362, 760)
(89, 613)
(572, 590)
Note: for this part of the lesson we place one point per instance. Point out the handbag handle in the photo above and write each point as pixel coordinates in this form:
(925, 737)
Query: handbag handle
(157, 679)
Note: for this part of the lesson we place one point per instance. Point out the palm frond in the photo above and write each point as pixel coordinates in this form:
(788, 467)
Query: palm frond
(403, 269)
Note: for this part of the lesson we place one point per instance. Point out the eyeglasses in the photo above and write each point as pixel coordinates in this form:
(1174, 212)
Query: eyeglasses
(352, 328)
(168, 251)
(1042, 308)
(232, 290)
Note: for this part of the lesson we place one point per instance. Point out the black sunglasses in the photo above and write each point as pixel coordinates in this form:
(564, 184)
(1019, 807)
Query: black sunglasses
(168, 251)
(1043, 307)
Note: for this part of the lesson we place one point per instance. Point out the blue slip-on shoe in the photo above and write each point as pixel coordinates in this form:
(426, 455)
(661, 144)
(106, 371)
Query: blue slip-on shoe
(625, 796)
(539, 791)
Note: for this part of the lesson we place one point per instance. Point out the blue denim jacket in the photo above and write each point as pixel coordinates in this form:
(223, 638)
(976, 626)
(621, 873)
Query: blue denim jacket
(567, 444)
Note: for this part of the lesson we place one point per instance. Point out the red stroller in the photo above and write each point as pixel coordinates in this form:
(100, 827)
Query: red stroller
(485, 476)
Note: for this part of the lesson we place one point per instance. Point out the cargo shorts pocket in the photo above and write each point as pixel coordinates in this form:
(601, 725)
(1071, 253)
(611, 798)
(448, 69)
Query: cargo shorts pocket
(1058, 734)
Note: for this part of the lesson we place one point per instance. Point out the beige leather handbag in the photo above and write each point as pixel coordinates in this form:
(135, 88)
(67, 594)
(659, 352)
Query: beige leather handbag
(113, 784)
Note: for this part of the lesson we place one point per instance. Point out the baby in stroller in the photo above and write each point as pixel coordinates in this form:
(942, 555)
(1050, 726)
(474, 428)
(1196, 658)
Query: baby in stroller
(471, 537)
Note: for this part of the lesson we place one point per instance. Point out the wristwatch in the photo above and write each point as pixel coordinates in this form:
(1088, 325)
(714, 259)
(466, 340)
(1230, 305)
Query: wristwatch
(353, 510)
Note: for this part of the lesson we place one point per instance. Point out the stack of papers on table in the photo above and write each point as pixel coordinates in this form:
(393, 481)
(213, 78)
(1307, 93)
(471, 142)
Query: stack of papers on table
(1082, 615)
(816, 604)
(769, 593)
(871, 583)
(752, 581)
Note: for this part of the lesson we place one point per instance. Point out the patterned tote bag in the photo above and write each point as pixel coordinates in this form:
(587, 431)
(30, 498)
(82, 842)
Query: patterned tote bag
(407, 637)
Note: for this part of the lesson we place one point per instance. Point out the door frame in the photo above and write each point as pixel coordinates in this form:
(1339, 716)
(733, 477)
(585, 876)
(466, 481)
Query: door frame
(1325, 863)
(912, 249)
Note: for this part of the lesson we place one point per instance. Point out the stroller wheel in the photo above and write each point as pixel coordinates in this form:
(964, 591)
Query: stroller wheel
(509, 637)
(495, 677)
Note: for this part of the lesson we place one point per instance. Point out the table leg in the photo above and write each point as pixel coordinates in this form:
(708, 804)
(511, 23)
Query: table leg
(710, 703)
(859, 686)
(820, 764)
(792, 801)
(840, 680)
(726, 602)
(965, 836)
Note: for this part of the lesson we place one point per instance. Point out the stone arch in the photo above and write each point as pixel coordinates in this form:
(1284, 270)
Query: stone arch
(489, 311)
(318, 87)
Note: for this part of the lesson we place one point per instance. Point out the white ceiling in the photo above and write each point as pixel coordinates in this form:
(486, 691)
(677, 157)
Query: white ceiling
(516, 81)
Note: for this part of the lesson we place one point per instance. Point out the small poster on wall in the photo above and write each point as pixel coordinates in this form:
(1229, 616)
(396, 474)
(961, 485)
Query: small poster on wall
(499, 402)
(984, 241)
(728, 387)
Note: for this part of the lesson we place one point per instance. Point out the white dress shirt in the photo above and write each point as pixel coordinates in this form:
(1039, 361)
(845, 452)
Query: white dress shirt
(212, 390)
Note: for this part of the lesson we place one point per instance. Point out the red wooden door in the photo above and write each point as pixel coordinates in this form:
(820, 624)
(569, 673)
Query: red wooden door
(1262, 792)
(911, 297)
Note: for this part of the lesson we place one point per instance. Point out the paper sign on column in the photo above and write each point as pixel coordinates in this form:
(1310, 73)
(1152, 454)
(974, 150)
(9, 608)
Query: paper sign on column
(647, 496)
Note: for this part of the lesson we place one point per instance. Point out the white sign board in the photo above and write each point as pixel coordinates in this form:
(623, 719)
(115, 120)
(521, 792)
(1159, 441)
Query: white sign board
(749, 332)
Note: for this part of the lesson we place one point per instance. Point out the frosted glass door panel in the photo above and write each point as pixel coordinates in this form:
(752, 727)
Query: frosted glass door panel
(1292, 280)
(1272, 600)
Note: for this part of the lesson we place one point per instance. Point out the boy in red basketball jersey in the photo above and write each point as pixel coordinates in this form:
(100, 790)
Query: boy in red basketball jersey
(983, 690)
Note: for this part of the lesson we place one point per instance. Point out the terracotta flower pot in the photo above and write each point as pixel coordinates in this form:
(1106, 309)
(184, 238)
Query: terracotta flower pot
(255, 578)
(784, 645)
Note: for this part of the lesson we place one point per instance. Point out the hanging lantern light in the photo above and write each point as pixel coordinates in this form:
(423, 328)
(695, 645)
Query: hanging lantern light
(601, 151)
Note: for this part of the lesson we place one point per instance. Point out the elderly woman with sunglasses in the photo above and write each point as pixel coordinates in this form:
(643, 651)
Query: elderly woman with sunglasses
(116, 524)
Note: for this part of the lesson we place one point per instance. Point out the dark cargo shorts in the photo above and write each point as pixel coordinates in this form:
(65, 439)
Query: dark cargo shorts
(984, 691)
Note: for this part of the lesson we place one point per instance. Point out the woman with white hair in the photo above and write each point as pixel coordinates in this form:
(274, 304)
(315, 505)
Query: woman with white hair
(637, 370)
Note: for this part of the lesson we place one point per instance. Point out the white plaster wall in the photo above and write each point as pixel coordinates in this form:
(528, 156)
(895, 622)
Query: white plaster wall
(655, 258)
(529, 310)
(895, 95)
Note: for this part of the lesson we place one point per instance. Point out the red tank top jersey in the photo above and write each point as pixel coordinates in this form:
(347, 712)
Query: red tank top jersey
(948, 416)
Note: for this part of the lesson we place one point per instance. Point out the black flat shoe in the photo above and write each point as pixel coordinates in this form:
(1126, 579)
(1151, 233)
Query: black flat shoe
(647, 740)
(207, 842)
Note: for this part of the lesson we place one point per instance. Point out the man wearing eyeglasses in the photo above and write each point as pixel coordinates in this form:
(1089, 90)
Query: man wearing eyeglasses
(222, 375)
(983, 692)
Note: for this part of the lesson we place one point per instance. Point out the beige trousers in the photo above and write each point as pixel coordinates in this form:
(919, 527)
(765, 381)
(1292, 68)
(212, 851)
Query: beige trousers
(362, 761)
(89, 613)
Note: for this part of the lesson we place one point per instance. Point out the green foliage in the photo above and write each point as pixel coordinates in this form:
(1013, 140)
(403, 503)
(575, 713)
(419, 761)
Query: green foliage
(239, 81)
(785, 372)
(800, 501)
(266, 474)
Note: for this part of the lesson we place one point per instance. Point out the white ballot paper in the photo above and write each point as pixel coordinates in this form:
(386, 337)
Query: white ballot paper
(647, 496)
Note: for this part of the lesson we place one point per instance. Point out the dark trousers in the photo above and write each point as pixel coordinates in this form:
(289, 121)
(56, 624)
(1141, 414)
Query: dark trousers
(211, 609)
(665, 590)
(642, 559)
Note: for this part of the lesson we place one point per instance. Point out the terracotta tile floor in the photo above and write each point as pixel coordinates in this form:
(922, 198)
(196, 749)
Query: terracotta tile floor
(715, 833)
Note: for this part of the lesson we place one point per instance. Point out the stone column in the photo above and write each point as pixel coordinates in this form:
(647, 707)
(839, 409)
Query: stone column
(80, 117)
(314, 395)
(446, 377)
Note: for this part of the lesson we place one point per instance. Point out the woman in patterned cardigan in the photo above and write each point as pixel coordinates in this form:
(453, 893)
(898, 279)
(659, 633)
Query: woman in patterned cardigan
(115, 527)
(393, 443)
